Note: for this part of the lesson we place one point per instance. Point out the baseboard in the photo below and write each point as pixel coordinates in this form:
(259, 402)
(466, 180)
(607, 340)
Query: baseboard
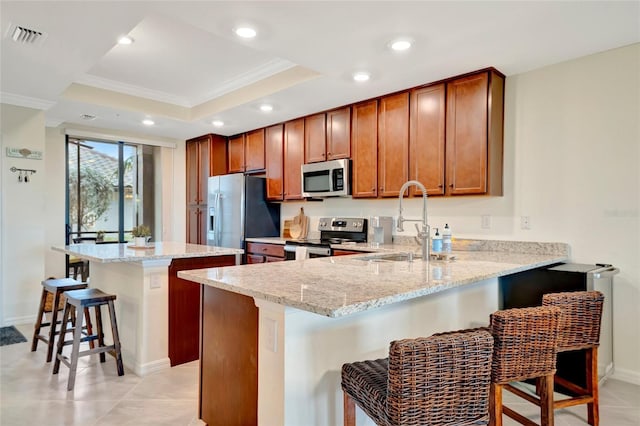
(151, 367)
(628, 376)
(29, 319)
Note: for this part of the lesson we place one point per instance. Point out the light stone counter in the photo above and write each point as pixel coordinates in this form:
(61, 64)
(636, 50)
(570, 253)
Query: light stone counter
(140, 280)
(268, 240)
(339, 286)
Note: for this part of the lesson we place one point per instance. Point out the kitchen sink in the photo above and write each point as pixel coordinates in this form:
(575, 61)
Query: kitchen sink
(394, 257)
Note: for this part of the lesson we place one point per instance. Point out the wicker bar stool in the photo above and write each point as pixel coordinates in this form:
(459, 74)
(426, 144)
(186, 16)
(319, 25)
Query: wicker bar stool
(52, 296)
(525, 341)
(579, 330)
(84, 299)
(439, 380)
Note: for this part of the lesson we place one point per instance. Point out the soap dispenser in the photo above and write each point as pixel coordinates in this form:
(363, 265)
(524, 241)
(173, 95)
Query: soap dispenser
(446, 239)
(436, 242)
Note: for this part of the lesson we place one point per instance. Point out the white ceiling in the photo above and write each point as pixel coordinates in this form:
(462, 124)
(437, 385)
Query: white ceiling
(187, 67)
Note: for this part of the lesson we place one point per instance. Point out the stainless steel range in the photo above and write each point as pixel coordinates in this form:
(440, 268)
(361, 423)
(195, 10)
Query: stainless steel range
(333, 230)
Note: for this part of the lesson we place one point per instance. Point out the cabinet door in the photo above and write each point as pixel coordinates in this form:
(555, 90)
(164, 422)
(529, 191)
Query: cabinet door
(364, 150)
(196, 225)
(426, 138)
(254, 150)
(255, 258)
(315, 138)
(293, 158)
(393, 144)
(274, 140)
(193, 166)
(339, 133)
(218, 156)
(236, 154)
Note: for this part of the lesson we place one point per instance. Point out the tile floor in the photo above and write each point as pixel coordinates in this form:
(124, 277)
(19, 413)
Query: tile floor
(31, 395)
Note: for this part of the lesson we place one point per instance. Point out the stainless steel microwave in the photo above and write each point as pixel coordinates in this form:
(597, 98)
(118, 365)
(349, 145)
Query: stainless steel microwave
(326, 179)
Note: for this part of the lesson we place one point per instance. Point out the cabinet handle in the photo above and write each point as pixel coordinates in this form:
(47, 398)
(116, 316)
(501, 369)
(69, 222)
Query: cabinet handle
(440, 186)
(450, 185)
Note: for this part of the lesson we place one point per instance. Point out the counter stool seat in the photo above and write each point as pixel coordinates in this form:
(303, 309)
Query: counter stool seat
(84, 299)
(52, 300)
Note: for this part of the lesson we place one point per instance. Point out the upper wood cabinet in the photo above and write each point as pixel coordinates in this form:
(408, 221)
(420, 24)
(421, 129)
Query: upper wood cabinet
(198, 168)
(254, 151)
(274, 140)
(393, 144)
(217, 155)
(236, 154)
(339, 133)
(364, 150)
(293, 158)
(474, 133)
(427, 138)
(315, 138)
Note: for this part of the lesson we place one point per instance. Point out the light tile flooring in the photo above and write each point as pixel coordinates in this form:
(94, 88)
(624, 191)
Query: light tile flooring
(31, 395)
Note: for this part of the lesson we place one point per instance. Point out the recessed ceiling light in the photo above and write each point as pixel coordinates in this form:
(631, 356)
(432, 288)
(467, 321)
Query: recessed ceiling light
(125, 40)
(400, 45)
(361, 76)
(245, 32)
(266, 108)
(148, 122)
(217, 123)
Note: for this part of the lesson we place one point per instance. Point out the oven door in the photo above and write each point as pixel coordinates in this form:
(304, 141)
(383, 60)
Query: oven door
(299, 252)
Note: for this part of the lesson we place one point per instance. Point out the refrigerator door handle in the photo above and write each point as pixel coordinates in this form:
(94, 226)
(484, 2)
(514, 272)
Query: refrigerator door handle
(217, 220)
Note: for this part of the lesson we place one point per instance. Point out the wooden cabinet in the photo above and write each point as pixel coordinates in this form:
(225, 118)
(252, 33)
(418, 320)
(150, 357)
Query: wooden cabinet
(393, 144)
(427, 138)
(264, 252)
(475, 108)
(339, 252)
(364, 150)
(274, 140)
(293, 158)
(205, 156)
(315, 138)
(254, 151)
(184, 303)
(339, 133)
(236, 154)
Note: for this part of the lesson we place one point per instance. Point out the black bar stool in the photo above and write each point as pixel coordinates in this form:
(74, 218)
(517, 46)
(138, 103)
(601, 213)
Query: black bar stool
(52, 300)
(84, 299)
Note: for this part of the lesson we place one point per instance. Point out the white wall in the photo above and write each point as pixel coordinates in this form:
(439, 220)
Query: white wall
(572, 160)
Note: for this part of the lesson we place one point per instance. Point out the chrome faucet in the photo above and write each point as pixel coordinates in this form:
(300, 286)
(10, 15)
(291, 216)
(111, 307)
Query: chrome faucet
(424, 233)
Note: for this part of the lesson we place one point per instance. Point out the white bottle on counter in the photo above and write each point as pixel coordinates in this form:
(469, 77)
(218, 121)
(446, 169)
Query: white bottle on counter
(446, 239)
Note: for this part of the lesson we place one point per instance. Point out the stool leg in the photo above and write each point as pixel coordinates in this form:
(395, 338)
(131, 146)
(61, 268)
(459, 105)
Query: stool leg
(349, 410)
(77, 336)
(593, 408)
(54, 325)
(116, 338)
(63, 331)
(546, 400)
(38, 324)
(495, 405)
(100, 331)
(87, 319)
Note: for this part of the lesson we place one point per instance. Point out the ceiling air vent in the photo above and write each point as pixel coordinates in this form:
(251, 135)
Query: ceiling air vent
(24, 35)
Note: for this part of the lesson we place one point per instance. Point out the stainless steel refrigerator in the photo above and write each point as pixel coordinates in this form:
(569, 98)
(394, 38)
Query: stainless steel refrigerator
(237, 209)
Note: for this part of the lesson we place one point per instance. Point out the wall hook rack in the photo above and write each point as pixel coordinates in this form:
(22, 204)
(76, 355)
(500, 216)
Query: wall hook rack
(24, 174)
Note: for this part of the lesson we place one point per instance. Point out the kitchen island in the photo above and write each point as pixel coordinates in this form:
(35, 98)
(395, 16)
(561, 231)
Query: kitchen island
(275, 335)
(157, 313)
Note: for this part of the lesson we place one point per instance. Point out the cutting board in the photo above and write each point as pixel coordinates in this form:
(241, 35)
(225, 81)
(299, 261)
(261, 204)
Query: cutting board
(299, 227)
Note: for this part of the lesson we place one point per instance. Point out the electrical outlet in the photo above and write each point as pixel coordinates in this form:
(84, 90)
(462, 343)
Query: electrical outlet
(485, 221)
(271, 334)
(525, 222)
(155, 281)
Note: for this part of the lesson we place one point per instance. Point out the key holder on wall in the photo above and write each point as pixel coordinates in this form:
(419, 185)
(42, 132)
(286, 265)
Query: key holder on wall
(23, 174)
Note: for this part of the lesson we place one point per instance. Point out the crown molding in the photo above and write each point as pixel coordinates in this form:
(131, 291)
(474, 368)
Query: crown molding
(25, 101)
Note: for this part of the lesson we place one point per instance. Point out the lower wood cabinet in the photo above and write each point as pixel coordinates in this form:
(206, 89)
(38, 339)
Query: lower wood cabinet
(264, 252)
(184, 307)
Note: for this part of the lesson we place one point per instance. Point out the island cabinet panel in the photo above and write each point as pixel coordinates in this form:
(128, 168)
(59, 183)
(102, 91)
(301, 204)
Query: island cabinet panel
(427, 138)
(236, 153)
(274, 143)
(293, 158)
(364, 150)
(315, 138)
(254, 151)
(393, 144)
(339, 133)
(184, 307)
(229, 358)
(474, 134)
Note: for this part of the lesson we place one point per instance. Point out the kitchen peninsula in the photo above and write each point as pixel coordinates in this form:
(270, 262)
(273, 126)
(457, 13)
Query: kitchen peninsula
(154, 308)
(275, 335)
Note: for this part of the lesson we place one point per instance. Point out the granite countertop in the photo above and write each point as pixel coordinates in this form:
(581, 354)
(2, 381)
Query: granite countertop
(344, 285)
(108, 253)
